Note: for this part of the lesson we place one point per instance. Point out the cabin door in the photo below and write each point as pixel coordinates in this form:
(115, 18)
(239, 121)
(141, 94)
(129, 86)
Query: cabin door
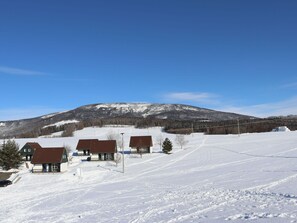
(45, 168)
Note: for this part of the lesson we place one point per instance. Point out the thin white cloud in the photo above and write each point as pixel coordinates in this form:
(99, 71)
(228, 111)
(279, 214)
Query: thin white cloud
(290, 85)
(203, 97)
(23, 113)
(286, 107)
(20, 72)
(213, 101)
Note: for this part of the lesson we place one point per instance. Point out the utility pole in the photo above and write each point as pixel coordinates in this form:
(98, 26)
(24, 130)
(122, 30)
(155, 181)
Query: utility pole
(123, 151)
(238, 128)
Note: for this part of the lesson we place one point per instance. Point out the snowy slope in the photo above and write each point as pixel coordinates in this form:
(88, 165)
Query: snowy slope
(214, 179)
(61, 123)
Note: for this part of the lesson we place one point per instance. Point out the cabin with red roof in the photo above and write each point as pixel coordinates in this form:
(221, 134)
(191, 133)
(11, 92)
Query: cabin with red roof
(28, 150)
(49, 160)
(103, 150)
(141, 144)
(100, 150)
(84, 146)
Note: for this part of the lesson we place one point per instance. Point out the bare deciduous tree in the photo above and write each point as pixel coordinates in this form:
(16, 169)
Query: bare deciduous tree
(111, 135)
(180, 140)
(69, 152)
(117, 158)
(80, 126)
(68, 149)
(69, 130)
(159, 140)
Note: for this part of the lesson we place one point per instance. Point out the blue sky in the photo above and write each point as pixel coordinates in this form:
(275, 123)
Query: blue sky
(231, 55)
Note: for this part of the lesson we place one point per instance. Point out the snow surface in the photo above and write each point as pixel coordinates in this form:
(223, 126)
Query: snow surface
(52, 115)
(215, 178)
(141, 107)
(2, 124)
(58, 124)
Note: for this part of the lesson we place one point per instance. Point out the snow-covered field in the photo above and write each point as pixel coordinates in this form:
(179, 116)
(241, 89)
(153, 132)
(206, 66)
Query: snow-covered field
(222, 178)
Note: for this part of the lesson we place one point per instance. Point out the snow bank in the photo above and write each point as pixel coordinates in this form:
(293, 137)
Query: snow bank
(281, 129)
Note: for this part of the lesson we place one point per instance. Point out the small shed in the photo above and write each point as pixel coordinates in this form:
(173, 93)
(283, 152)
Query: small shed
(103, 150)
(141, 144)
(28, 150)
(50, 160)
(84, 146)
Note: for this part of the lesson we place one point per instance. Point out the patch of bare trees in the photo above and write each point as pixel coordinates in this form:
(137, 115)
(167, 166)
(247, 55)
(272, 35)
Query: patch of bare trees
(180, 140)
(159, 140)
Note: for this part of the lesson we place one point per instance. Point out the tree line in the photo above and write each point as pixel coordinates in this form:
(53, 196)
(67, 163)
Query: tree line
(172, 126)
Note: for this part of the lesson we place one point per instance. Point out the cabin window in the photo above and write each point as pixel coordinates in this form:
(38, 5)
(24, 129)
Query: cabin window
(29, 150)
(56, 167)
(109, 156)
(64, 156)
(86, 152)
(25, 150)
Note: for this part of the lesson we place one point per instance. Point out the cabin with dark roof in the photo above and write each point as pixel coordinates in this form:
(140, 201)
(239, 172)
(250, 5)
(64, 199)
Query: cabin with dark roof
(28, 150)
(84, 146)
(141, 144)
(48, 160)
(103, 150)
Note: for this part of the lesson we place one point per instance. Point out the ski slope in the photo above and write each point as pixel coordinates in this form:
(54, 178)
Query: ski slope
(223, 178)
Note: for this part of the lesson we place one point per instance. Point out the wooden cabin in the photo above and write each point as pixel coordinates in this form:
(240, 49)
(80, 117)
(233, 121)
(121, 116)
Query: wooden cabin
(48, 160)
(28, 150)
(103, 150)
(84, 146)
(141, 144)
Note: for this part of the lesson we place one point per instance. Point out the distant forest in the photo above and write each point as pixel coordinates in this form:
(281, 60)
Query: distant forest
(174, 126)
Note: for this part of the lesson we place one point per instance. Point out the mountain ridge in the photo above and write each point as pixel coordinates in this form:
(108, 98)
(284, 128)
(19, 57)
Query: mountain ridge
(101, 111)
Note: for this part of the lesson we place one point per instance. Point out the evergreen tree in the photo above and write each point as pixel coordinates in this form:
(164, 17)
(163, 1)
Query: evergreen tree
(167, 146)
(10, 156)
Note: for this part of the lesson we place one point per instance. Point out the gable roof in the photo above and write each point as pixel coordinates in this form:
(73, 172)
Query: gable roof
(141, 141)
(33, 145)
(85, 144)
(48, 155)
(104, 146)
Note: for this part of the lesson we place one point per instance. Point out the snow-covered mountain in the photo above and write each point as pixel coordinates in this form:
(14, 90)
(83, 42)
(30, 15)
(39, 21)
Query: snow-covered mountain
(161, 111)
(117, 110)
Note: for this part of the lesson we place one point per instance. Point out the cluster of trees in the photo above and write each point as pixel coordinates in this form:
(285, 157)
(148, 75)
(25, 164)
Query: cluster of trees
(67, 129)
(250, 125)
(173, 126)
(167, 144)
